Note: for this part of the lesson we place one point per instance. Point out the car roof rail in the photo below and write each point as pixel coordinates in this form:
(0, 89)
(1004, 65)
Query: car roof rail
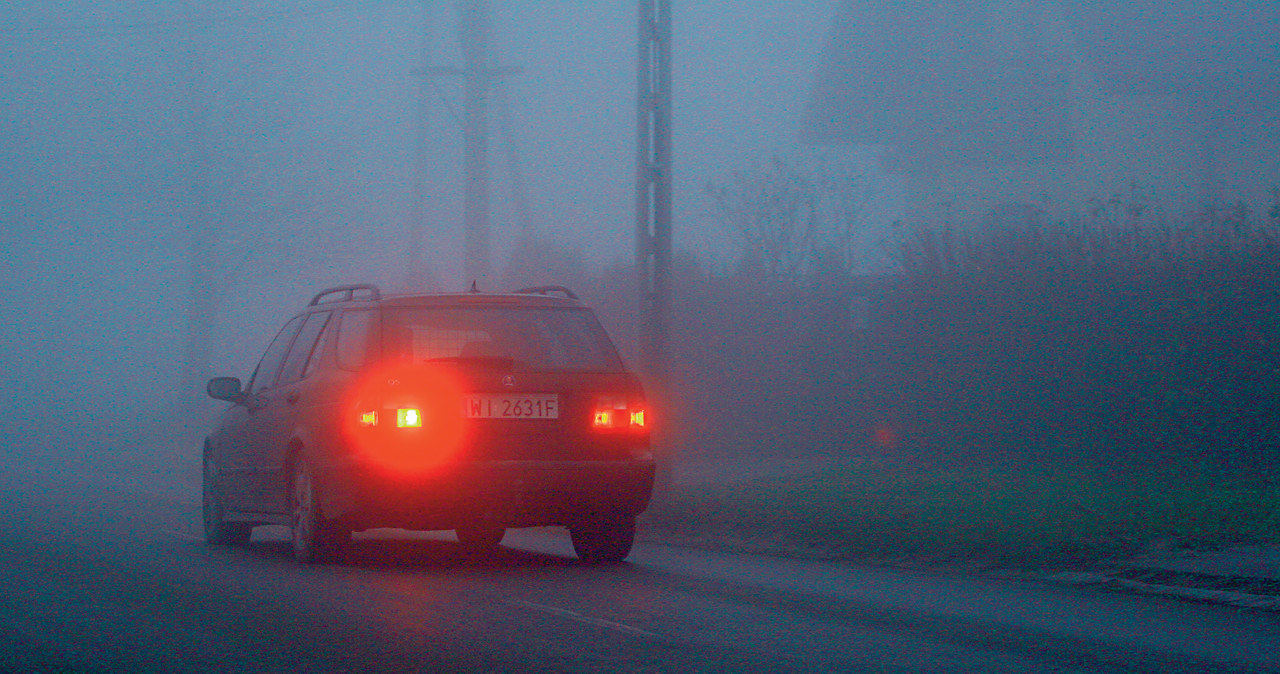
(348, 294)
(546, 290)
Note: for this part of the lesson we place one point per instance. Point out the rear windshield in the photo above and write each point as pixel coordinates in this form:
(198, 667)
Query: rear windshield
(532, 338)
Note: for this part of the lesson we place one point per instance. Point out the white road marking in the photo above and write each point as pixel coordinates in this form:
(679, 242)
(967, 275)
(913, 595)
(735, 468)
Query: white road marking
(574, 615)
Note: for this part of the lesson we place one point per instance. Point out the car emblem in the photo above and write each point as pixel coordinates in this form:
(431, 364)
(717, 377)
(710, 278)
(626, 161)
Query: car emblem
(508, 381)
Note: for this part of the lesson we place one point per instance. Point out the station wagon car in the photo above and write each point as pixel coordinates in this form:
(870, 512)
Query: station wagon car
(473, 412)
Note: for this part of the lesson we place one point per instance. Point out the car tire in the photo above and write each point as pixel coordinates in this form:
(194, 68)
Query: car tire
(315, 539)
(604, 541)
(218, 531)
(480, 537)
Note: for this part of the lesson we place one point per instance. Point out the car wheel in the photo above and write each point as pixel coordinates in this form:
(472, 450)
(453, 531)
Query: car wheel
(480, 536)
(604, 541)
(216, 530)
(315, 539)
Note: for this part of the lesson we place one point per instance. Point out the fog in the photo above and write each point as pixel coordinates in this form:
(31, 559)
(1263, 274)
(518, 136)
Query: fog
(1050, 102)
(310, 115)
(309, 118)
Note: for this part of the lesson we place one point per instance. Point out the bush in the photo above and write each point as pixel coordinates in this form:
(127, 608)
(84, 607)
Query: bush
(1121, 335)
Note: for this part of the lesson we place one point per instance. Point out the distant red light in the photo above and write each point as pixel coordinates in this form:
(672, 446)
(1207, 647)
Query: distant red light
(885, 436)
(407, 417)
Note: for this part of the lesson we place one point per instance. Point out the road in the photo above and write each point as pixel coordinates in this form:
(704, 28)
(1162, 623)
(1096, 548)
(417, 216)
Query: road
(107, 573)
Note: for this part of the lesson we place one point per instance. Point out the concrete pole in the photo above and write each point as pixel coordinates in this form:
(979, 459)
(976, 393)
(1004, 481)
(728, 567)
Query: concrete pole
(416, 275)
(197, 349)
(477, 76)
(653, 188)
(653, 219)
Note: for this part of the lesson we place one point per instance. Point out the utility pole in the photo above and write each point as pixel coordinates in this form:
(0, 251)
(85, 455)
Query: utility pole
(416, 276)
(653, 190)
(653, 214)
(479, 76)
(200, 302)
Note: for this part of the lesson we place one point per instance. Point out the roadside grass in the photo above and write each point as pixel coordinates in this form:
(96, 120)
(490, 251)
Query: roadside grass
(1040, 515)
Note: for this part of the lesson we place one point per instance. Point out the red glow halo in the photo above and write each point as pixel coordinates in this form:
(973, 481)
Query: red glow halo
(432, 389)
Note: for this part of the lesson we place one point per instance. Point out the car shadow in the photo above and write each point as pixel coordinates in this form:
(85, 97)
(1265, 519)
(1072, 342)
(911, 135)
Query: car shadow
(415, 552)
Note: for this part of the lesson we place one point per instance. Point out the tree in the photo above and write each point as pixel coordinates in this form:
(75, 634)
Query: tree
(791, 215)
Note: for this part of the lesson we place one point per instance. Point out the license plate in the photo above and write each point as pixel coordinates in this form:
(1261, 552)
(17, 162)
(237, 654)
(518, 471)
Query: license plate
(535, 406)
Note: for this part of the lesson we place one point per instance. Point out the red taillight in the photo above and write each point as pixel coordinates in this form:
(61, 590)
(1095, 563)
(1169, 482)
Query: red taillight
(408, 417)
(619, 413)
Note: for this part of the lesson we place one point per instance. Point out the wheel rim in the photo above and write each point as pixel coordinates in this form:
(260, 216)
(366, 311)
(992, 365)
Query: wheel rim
(211, 515)
(303, 504)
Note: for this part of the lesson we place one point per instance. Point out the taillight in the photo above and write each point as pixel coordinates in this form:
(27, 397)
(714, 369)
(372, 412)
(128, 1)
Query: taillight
(408, 417)
(619, 413)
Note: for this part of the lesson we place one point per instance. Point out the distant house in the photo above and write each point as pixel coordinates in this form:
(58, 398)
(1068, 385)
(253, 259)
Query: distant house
(1178, 95)
(945, 84)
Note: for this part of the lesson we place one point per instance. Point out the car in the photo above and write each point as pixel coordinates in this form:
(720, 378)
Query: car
(475, 412)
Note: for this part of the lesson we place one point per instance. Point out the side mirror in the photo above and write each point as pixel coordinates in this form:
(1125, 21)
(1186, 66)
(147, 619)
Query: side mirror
(224, 388)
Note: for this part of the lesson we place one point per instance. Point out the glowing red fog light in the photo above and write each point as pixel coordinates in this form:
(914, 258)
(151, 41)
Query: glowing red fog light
(407, 417)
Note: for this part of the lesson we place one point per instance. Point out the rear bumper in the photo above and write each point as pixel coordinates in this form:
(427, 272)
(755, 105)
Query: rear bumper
(501, 493)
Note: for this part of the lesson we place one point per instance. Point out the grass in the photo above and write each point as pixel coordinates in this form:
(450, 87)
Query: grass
(1044, 515)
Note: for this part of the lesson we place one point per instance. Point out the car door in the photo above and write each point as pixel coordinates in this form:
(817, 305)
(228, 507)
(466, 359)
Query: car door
(237, 465)
(277, 416)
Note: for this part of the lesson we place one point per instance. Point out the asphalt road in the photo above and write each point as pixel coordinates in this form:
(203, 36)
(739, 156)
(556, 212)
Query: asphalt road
(107, 573)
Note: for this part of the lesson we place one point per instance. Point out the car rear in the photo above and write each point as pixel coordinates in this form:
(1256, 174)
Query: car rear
(496, 411)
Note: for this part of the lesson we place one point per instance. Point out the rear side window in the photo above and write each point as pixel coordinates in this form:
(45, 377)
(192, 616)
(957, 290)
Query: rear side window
(317, 352)
(355, 335)
(265, 374)
(303, 348)
(534, 338)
